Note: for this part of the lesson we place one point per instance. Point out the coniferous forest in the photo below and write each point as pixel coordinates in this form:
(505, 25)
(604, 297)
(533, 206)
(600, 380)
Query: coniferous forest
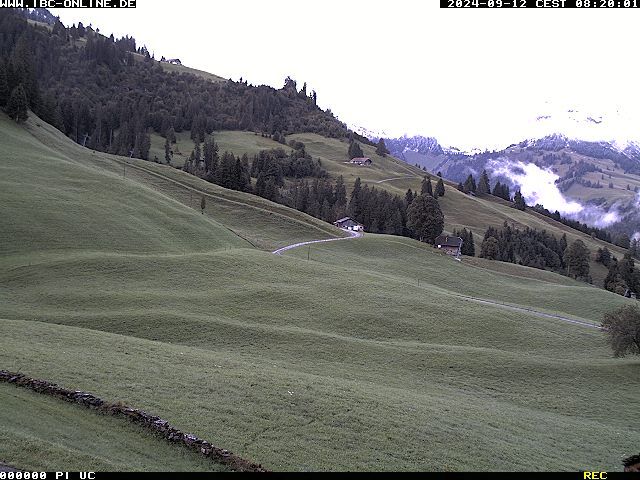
(109, 94)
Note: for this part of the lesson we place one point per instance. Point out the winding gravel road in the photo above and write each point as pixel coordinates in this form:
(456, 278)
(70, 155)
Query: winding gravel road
(530, 311)
(395, 178)
(280, 251)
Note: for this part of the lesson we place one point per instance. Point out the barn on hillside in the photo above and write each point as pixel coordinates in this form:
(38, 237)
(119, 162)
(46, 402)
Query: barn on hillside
(449, 244)
(362, 161)
(349, 224)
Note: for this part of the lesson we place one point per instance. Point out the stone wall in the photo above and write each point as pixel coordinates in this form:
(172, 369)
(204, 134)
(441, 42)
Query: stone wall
(151, 422)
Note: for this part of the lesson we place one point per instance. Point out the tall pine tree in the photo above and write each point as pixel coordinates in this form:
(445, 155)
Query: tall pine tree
(355, 202)
(425, 218)
(17, 105)
(354, 150)
(439, 191)
(427, 189)
(483, 185)
(518, 201)
(381, 148)
(469, 185)
(4, 86)
(167, 151)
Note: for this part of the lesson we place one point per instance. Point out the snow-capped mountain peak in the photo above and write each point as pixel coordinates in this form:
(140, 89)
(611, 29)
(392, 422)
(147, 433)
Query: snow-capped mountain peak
(617, 128)
(369, 133)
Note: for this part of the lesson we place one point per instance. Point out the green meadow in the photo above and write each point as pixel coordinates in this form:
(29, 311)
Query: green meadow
(41, 433)
(365, 354)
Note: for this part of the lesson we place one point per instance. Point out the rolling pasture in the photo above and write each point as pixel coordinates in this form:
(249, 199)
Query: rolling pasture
(364, 354)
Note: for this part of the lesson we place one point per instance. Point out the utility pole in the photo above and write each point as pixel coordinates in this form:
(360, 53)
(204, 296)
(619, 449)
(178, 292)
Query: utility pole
(309, 253)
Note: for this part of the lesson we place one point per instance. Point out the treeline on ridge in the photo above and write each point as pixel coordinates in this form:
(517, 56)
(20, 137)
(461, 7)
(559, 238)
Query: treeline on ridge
(110, 95)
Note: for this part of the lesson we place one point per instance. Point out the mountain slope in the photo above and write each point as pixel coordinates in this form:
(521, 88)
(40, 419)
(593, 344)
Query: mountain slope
(342, 361)
(41, 187)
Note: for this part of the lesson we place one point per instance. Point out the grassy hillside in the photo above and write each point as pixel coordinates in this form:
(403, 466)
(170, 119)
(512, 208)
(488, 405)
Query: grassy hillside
(43, 434)
(233, 141)
(461, 210)
(238, 216)
(55, 203)
(343, 361)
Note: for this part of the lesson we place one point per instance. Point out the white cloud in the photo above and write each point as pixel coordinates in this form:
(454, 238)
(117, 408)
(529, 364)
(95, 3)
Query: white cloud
(538, 186)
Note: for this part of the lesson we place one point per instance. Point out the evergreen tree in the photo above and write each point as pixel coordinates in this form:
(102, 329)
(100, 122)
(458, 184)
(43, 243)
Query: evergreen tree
(468, 245)
(4, 86)
(576, 258)
(355, 202)
(394, 224)
(340, 194)
(197, 154)
(506, 194)
(144, 145)
(171, 135)
(470, 249)
(210, 154)
(614, 282)
(497, 190)
(484, 188)
(425, 218)
(603, 256)
(381, 148)
(427, 189)
(17, 105)
(408, 197)
(518, 201)
(634, 249)
(167, 151)
(490, 248)
(626, 268)
(354, 150)
(623, 241)
(203, 204)
(439, 191)
(563, 243)
(469, 185)
(244, 183)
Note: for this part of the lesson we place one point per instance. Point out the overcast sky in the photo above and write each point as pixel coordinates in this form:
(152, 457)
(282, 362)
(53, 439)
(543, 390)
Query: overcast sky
(471, 77)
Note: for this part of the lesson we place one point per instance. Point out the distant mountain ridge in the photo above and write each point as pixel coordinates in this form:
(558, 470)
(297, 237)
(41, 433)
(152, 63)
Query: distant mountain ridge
(596, 181)
(417, 144)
